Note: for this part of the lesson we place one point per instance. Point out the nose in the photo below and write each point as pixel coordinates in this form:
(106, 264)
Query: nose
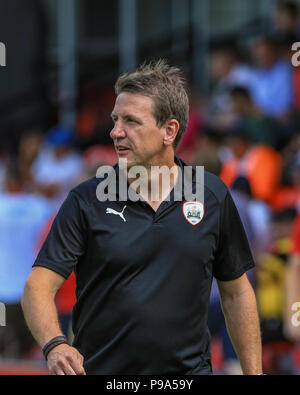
(118, 132)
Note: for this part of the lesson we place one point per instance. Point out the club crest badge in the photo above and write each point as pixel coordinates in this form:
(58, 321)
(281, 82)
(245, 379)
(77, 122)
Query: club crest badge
(193, 212)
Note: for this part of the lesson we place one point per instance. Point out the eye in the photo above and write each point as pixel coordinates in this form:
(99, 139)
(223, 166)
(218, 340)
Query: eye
(114, 118)
(132, 121)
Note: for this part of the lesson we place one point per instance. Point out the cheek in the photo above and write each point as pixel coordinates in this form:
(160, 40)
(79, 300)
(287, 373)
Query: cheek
(158, 136)
(154, 143)
(145, 141)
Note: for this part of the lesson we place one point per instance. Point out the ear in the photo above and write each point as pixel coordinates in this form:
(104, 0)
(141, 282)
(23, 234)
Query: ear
(171, 127)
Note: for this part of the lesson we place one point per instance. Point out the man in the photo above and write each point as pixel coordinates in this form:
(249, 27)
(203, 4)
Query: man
(273, 78)
(228, 69)
(144, 268)
(260, 128)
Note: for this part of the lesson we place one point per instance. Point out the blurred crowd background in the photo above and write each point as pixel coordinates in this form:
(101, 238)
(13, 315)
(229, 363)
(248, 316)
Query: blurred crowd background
(56, 96)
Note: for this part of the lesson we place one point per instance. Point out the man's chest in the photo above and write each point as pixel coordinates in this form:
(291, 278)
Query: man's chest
(131, 234)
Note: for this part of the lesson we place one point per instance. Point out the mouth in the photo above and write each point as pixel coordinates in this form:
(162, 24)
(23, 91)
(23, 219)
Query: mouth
(122, 150)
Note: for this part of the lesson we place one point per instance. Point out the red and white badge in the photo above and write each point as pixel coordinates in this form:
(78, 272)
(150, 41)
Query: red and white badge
(193, 212)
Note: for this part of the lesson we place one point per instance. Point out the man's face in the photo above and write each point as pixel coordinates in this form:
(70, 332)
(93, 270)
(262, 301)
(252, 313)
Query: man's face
(264, 54)
(284, 21)
(242, 105)
(137, 138)
(220, 65)
(238, 146)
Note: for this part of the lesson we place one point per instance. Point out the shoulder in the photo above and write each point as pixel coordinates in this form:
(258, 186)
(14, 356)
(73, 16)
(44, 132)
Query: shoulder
(215, 186)
(86, 191)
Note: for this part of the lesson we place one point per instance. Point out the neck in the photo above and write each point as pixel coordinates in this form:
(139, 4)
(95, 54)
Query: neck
(156, 183)
(250, 110)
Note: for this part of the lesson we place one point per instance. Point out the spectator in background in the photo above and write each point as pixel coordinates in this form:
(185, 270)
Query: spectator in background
(286, 19)
(270, 291)
(288, 195)
(285, 48)
(22, 218)
(208, 152)
(255, 215)
(227, 70)
(3, 163)
(259, 164)
(29, 148)
(260, 128)
(292, 289)
(273, 90)
(58, 166)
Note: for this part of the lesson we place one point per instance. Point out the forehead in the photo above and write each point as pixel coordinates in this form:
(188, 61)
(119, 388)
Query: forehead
(133, 103)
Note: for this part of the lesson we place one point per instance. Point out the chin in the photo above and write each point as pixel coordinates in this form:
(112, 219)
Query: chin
(129, 162)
